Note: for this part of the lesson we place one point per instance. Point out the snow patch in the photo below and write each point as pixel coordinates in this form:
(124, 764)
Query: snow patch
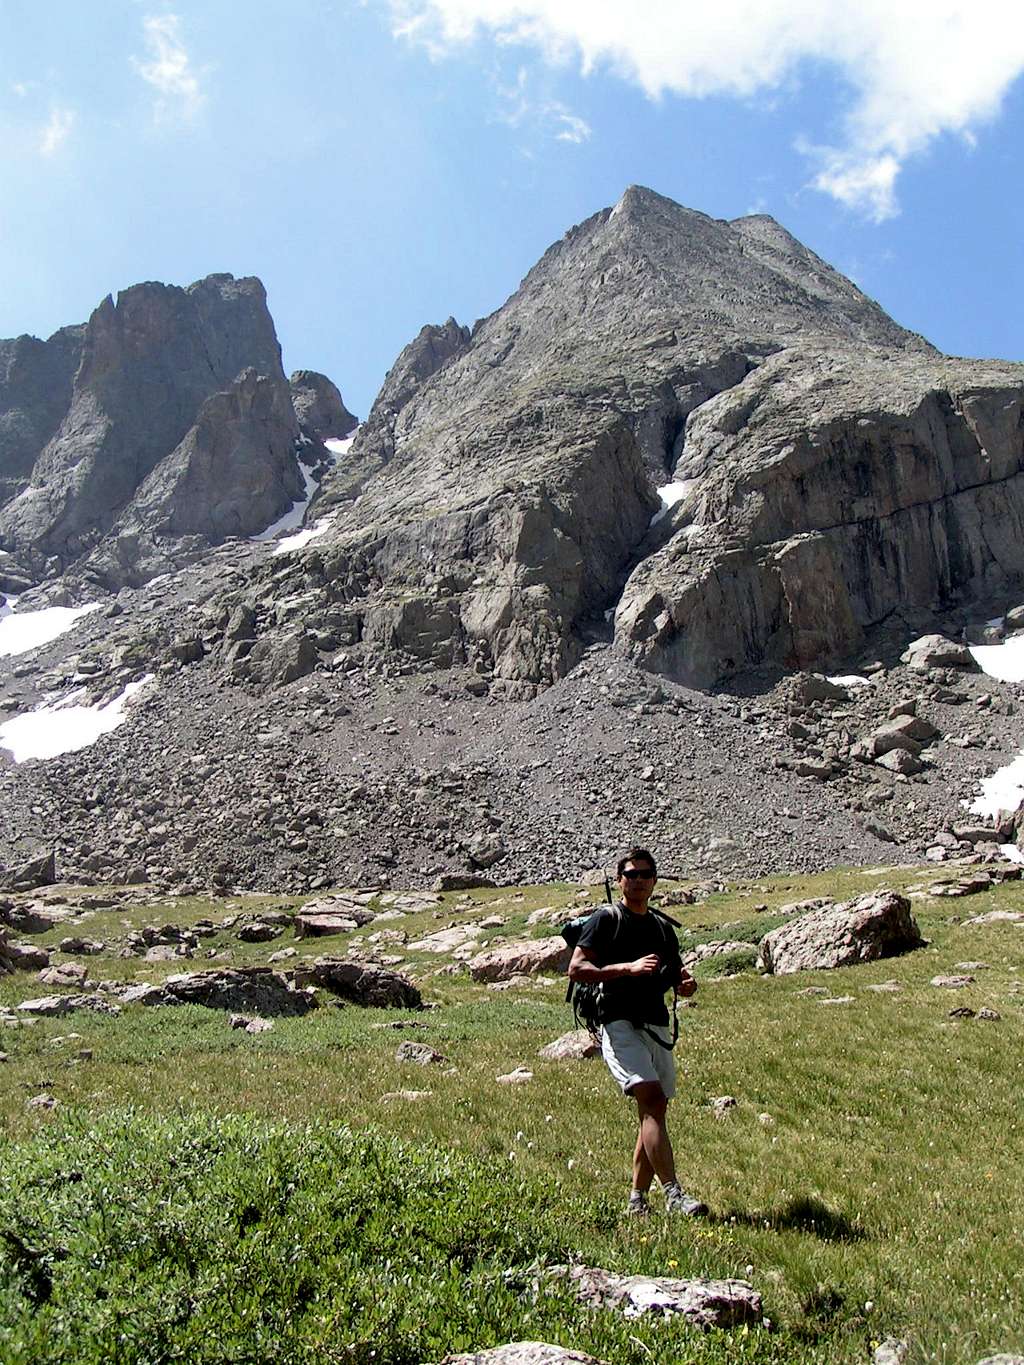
(670, 494)
(1005, 661)
(21, 631)
(340, 447)
(851, 680)
(1012, 853)
(64, 727)
(301, 538)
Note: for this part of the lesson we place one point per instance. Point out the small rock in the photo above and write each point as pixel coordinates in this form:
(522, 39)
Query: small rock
(990, 1014)
(251, 1023)
(891, 1351)
(721, 1105)
(517, 1077)
(952, 983)
(419, 1053)
(42, 1102)
(523, 1353)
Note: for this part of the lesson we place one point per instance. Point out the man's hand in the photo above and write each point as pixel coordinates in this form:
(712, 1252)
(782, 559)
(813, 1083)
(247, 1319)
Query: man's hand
(687, 986)
(645, 966)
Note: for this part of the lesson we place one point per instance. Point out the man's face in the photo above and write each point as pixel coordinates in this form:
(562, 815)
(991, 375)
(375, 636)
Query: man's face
(636, 881)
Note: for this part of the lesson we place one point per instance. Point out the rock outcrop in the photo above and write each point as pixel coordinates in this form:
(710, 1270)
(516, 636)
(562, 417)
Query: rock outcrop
(157, 408)
(319, 409)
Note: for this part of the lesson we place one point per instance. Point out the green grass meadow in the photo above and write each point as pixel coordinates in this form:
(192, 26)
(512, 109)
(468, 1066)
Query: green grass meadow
(199, 1194)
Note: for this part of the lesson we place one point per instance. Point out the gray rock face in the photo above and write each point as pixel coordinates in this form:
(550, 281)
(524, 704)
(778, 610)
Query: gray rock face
(149, 366)
(36, 378)
(318, 406)
(837, 467)
(829, 491)
(873, 926)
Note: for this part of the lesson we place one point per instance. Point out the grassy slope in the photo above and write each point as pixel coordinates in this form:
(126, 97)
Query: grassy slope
(887, 1172)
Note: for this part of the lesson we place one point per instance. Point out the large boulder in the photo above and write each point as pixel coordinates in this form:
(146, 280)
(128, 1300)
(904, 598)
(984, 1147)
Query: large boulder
(30, 875)
(255, 990)
(873, 926)
(361, 983)
(935, 651)
(529, 957)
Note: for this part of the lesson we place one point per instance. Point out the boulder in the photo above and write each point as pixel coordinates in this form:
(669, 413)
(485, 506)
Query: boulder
(26, 919)
(870, 927)
(461, 881)
(361, 983)
(528, 957)
(244, 990)
(703, 1303)
(27, 957)
(935, 651)
(28, 876)
(82, 947)
(53, 1006)
(259, 931)
(421, 1054)
(64, 974)
(577, 1046)
(323, 923)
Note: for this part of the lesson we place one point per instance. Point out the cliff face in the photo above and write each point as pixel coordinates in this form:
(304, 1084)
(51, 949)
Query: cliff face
(827, 493)
(36, 379)
(135, 382)
(836, 466)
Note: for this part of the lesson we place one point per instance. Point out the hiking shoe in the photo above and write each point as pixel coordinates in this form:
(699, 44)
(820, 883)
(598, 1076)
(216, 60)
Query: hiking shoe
(677, 1201)
(638, 1206)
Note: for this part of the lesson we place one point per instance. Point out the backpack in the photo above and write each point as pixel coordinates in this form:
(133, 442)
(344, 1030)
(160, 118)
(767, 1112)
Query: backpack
(587, 997)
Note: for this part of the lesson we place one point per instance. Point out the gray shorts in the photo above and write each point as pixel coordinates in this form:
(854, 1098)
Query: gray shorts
(633, 1056)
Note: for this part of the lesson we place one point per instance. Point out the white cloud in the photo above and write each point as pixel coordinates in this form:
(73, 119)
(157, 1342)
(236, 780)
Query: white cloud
(169, 68)
(56, 131)
(519, 106)
(913, 70)
(573, 128)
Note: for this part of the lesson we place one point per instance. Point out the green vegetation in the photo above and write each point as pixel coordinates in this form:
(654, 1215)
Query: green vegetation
(204, 1195)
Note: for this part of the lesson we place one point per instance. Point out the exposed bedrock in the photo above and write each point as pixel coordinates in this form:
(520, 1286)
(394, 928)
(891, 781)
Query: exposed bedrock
(35, 389)
(829, 493)
(148, 363)
(234, 473)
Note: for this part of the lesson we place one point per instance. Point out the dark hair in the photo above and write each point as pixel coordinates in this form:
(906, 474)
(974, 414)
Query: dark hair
(636, 855)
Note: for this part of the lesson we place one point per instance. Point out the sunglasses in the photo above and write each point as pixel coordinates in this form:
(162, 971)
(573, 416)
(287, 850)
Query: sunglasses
(634, 874)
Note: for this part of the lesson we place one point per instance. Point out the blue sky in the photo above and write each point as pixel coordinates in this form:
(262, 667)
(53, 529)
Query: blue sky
(384, 164)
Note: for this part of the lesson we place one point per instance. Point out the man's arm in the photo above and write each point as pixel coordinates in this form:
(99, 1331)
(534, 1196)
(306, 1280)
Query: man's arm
(582, 967)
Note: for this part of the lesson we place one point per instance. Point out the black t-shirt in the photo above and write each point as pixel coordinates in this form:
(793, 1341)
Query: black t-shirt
(619, 935)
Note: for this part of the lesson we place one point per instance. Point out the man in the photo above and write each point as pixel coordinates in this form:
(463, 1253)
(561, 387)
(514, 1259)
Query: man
(634, 953)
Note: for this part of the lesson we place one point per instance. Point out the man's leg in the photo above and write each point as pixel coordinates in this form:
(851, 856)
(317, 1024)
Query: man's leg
(643, 1171)
(653, 1148)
